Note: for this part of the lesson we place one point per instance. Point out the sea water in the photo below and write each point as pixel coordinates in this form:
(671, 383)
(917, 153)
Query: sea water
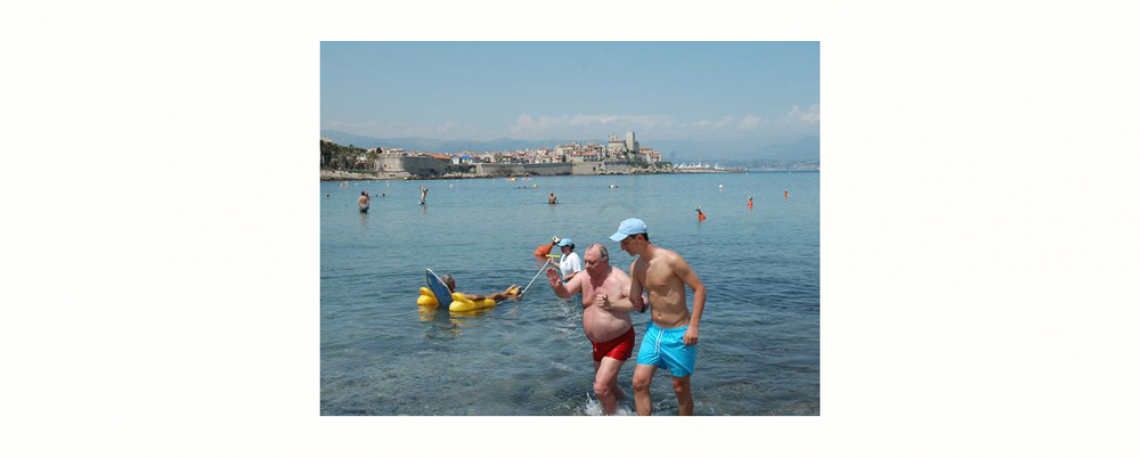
(381, 355)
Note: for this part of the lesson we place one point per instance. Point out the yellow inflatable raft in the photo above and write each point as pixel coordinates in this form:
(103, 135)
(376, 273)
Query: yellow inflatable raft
(427, 298)
(459, 302)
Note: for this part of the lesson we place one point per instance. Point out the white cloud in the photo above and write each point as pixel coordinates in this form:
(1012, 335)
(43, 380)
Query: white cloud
(351, 127)
(447, 130)
(706, 124)
(585, 125)
(750, 122)
(799, 116)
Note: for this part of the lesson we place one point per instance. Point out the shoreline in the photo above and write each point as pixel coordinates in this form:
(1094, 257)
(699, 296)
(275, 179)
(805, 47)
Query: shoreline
(342, 175)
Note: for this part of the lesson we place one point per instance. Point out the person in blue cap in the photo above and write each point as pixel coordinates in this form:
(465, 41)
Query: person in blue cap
(571, 264)
(670, 339)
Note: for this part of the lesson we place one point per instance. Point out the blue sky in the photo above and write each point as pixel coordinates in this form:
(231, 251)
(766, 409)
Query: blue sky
(731, 93)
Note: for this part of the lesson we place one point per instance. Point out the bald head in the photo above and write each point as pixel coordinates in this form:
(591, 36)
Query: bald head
(597, 259)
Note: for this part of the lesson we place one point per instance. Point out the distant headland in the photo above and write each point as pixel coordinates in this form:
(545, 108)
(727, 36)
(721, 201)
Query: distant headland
(619, 156)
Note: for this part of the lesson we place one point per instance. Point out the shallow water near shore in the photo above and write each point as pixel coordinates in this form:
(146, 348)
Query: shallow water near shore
(382, 355)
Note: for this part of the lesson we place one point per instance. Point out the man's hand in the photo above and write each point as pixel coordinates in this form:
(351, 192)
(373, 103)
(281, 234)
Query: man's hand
(691, 336)
(602, 301)
(553, 276)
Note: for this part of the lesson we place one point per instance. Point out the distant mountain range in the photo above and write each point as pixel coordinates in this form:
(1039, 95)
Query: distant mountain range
(437, 146)
(805, 149)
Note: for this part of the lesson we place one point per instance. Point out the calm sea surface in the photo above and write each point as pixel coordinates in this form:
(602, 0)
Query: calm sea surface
(759, 347)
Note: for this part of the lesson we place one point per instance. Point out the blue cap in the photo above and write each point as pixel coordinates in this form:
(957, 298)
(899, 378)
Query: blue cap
(565, 242)
(629, 227)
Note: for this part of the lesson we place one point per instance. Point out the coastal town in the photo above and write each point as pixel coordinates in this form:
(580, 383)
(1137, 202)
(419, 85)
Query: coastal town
(617, 156)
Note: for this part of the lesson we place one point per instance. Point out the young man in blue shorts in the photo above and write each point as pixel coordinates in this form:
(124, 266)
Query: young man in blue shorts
(671, 338)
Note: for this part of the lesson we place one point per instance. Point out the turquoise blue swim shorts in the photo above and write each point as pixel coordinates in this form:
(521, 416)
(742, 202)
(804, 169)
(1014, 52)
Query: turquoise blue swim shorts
(665, 347)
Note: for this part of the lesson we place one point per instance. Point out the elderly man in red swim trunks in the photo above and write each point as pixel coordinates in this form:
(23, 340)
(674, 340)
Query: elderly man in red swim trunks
(605, 297)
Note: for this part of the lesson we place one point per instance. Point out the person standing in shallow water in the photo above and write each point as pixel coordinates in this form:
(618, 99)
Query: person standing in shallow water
(749, 202)
(605, 319)
(423, 195)
(570, 264)
(363, 202)
(670, 339)
(552, 199)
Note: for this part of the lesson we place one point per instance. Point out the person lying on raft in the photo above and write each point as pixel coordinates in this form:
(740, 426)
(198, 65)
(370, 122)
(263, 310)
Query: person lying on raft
(512, 292)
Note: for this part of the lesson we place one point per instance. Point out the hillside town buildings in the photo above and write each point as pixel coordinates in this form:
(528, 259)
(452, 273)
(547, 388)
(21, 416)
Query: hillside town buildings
(615, 150)
(617, 155)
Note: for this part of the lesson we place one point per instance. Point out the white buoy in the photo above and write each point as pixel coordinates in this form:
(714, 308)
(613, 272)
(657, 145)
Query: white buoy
(722, 186)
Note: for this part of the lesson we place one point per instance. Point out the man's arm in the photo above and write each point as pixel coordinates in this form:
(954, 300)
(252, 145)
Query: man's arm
(635, 289)
(574, 286)
(617, 302)
(682, 270)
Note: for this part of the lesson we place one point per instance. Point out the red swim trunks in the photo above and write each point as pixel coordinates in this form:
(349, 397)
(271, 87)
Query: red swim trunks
(620, 348)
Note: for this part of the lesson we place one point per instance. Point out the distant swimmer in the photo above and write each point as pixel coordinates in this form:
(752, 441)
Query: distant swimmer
(327, 195)
(512, 292)
(749, 202)
(700, 214)
(552, 199)
(785, 193)
(605, 319)
(423, 195)
(363, 202)
(671, 338)
(613, 186)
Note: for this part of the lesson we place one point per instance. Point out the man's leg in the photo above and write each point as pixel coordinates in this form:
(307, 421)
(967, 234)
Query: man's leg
(619, 393)
(605, 379)
(642, 378)
(684, 395)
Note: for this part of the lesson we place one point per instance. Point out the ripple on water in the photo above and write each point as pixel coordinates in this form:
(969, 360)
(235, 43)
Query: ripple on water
(380, 355)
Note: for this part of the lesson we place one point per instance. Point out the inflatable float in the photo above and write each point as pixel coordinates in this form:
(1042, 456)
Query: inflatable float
(458, 303)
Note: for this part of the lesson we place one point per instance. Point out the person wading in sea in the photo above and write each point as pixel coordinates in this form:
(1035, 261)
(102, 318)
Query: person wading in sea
(670, 339)
(363, 202)
(605, 319)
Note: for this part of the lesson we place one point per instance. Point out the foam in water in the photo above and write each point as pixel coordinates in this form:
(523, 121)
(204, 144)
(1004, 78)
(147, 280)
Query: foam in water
(593, 408)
